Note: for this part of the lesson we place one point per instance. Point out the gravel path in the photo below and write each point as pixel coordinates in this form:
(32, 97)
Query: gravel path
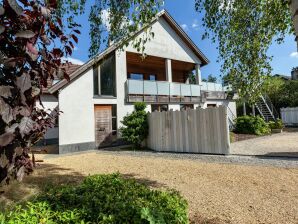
(284, 144)
(218, 189)
(285, 162)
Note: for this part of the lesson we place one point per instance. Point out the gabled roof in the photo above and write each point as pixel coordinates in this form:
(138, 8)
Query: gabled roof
(174, 25)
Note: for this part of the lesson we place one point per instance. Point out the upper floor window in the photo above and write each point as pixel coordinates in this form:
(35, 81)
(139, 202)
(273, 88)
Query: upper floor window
(152, 77)
(104, 78)
(137, 76)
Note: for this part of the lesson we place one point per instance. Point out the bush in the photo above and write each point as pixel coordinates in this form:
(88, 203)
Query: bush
(252, 125)
(103, 199)
(135, 129)
(276, 124)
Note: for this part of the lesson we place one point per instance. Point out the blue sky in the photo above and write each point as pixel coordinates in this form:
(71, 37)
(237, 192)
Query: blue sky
(285, 55)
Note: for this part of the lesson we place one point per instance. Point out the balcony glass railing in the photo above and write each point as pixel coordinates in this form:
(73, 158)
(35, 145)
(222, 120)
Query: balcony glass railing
(170, 91)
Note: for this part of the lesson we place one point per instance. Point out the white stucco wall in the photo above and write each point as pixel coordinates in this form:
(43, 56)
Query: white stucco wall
(49, 102)
(167, 44)
(76, 123)
(227, 103)
(174, 107)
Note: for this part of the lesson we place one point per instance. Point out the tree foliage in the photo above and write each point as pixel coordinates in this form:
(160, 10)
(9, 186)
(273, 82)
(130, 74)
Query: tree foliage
(282, 93)
(135, 128)
(113, 20)
(211, 78)
(245, 30)
(32, 43)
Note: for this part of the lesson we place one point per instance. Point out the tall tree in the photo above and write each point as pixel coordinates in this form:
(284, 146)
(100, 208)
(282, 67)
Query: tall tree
(32, 43)
(245, 29)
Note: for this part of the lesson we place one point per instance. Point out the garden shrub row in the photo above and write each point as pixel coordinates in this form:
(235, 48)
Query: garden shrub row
(255, 125)
(102, 199)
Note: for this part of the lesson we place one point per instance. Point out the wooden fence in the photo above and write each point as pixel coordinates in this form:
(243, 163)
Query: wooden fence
(190, 131)
(289, 116)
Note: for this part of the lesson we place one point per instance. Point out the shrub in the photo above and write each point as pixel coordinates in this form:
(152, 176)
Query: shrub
(276, 124)
(135, 129)
(251, 125)
(103, 199)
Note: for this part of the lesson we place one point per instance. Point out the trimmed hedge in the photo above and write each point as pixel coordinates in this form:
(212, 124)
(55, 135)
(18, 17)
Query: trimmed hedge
(103, 199)
(252, 125)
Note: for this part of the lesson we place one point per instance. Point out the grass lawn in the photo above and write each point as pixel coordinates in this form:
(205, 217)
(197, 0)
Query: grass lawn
(217, 193)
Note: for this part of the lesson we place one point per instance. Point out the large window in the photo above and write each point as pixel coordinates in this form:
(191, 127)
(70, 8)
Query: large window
(104, 79)
(107, 77)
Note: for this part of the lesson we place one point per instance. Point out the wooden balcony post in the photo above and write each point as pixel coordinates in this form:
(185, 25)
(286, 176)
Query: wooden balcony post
(169, 70)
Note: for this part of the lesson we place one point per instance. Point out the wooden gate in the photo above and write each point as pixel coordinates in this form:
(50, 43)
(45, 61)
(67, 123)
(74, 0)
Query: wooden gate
(103, 125)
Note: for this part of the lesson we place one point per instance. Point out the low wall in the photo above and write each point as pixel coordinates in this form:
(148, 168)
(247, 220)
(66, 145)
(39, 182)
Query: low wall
(190, 131)
(289, 116)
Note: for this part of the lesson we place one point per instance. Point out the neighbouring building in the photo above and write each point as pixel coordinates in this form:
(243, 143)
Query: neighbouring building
(103, 90)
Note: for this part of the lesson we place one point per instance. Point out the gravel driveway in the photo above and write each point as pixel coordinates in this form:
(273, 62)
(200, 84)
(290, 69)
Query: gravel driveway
(216, 192)
(284, 144)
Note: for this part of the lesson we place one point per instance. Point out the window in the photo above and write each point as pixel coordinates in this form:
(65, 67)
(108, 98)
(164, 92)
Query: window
(186, 106)
(104, 82)
(107, 77)
(211, 105)
(159, 107)
(95, 81)
(137, 76)
(152, 77)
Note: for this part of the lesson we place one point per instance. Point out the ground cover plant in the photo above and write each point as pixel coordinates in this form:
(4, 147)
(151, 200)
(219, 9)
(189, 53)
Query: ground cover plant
(102, 199)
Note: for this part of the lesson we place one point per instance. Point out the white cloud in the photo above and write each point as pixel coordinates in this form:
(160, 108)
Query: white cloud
(75, 48)
(294, 55)
(72, 60)
(195, 24)
(184, 27)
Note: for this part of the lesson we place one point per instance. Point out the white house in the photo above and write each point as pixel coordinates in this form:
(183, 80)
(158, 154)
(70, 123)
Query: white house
(103, 90)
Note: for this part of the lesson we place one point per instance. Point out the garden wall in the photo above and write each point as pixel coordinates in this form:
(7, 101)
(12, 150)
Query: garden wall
(289, 116)
(190, 131)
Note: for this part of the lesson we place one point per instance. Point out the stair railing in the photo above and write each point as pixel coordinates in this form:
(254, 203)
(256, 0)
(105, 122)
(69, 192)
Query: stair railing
(271, 106)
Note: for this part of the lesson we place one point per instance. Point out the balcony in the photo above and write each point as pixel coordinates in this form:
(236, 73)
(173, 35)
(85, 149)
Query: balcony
(165, 92)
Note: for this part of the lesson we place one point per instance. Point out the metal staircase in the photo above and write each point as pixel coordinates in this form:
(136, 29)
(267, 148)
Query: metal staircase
(231, 118)
(266, 108)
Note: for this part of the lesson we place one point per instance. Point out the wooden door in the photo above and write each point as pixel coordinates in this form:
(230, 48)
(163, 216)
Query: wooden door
(103, 125)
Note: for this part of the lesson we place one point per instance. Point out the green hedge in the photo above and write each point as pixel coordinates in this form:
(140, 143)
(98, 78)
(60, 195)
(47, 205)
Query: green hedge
(102, 199)
(276, 124)
(252, 125)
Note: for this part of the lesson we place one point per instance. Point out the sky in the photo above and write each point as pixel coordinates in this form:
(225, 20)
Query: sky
(285, 55)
